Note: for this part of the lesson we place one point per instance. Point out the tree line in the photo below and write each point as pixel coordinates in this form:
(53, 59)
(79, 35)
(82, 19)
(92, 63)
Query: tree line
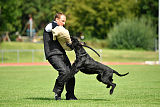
(93, 18)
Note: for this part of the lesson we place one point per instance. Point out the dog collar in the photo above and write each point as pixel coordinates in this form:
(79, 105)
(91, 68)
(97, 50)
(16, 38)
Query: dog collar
(83, 54)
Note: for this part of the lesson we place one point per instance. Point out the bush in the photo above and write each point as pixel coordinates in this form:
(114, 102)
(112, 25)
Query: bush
(131, 34)
(13, 37)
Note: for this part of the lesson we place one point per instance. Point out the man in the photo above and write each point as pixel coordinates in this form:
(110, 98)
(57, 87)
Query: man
(56, 56)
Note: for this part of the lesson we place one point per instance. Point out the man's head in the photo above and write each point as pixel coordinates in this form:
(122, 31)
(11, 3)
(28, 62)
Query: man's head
(60, 18)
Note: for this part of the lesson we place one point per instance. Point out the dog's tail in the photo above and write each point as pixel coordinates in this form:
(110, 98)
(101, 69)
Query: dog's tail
(120, 74)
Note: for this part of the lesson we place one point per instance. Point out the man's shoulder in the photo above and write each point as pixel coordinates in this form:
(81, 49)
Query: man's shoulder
(54, 24)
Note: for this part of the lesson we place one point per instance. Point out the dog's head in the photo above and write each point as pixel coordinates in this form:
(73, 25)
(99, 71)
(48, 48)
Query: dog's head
(75, 41)
(76, 44)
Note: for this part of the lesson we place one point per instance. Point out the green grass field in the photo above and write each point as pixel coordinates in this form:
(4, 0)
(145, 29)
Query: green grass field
(31, 86)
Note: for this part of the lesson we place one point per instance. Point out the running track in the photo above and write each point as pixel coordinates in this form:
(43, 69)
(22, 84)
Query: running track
(46, 63)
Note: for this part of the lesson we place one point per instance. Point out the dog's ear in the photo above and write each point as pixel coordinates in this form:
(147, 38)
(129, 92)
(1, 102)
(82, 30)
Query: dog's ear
(74, 38)
(71, 37)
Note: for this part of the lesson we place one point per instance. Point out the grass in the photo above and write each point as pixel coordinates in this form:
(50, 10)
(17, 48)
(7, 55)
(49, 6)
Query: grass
(129, 55)
(20, 45)
(108, 55)
(31, 86)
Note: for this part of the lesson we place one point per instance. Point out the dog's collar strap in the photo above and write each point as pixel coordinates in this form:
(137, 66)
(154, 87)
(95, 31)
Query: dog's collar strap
(83, 54)
(91, 49)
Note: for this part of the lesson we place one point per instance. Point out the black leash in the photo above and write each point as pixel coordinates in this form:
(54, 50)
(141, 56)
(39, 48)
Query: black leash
(92, 49)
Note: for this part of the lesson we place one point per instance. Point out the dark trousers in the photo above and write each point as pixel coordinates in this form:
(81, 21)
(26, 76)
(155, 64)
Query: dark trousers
(62, 64)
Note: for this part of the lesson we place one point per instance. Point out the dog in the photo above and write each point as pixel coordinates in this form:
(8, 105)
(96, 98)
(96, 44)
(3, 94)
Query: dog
(88, 65)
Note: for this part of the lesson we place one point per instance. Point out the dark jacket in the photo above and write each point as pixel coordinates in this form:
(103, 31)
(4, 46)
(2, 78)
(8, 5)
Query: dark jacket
(51, 47)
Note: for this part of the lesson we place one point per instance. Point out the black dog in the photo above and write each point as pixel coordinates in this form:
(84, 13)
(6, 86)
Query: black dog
(87, 65)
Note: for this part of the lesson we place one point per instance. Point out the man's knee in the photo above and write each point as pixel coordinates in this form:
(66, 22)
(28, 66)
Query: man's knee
(64, 72)
(64, 76)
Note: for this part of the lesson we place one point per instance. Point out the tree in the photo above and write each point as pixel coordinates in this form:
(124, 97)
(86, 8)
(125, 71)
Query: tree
(148, 8)
(40, 11)
(93, 18)
(10, 15)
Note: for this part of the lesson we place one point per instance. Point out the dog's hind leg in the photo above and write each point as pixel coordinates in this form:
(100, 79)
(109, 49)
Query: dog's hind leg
(112, 89)
(108, 86)
(99, 78)
(111, 80)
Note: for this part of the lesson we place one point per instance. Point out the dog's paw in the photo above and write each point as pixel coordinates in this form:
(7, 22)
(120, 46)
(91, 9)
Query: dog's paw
(111, 92)
(112, 89)
(108, 86)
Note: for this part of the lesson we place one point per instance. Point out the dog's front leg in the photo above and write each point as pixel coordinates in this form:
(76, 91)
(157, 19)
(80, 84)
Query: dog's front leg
(75, 67)
(73, 70)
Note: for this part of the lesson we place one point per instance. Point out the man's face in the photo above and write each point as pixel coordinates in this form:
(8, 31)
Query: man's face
(61, 21)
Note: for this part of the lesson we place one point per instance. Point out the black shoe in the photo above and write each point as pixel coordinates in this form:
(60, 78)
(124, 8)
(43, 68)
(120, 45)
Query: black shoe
(71, 97)
(57, 96)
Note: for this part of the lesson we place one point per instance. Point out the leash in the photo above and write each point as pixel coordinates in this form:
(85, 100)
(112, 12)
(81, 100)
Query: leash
(92, 49)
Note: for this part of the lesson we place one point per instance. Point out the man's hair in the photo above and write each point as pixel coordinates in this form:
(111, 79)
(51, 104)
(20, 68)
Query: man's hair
(58, 15)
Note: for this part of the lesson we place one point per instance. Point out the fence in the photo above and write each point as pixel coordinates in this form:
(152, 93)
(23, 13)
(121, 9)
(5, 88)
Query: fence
(22, 55)
(28, 55)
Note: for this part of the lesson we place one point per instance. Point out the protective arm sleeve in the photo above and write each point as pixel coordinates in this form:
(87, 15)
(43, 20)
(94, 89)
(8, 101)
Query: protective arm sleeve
(63, 36)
